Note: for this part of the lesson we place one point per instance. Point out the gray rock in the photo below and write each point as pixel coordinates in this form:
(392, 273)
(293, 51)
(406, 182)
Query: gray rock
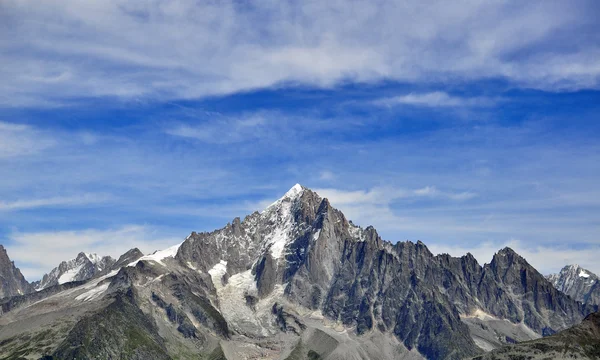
(83, 267)
(581, 341)
(299, 280)
(579, 283)
(12, 282)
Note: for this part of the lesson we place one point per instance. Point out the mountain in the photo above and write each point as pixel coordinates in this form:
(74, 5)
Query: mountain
(127, 258)
(83, 267)
(581, 341)
(577, 282)
(12, 282)
(295, 281)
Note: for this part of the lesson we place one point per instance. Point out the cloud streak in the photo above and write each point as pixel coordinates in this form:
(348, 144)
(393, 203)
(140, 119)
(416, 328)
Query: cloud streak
(63, 201)
(434, 99)
(21, 140)
(188, 49)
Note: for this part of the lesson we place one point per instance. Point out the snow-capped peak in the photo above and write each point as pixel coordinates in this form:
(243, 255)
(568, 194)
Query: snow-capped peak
(159, 255)
(293, 193)
(94, 258)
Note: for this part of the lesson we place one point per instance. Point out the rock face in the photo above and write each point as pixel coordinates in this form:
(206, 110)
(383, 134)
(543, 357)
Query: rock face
(127, 258)
(581, 341)
(12, 282)
(83, 267)
(307, 251)
(577, 282)
(296, 281)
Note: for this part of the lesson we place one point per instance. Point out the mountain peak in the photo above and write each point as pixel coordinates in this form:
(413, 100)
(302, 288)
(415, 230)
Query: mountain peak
(578, 283)
(294, 192)
(507, 251)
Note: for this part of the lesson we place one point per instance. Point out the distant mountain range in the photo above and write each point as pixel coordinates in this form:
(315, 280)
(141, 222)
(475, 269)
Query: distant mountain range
(83, 267)
(295, 281)
(577, 282)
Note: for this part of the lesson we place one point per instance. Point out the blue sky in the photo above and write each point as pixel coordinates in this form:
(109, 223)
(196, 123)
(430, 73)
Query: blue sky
(468, 127)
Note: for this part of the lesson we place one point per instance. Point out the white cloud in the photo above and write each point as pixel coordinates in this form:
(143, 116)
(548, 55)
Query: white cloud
(224, 130)
(434, 99)
(189, 49)
(20, 140)
(387, 195)
(38, 252)
(59, 201)
(326, 175)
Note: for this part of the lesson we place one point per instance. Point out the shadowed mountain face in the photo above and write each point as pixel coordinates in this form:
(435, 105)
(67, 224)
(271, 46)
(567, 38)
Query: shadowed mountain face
(12, 282)
(577, 282)
(300, 281)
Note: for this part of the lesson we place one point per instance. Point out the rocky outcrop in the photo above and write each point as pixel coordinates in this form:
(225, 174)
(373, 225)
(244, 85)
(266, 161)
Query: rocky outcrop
(579, 283)
(120, 331)
(12, 282)
(127, 258)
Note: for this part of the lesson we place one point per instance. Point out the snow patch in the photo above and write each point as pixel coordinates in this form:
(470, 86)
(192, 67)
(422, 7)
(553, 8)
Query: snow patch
(69, 275)
(292, 193)
(191, 266)
(278, 238)
(583, 274)
(316, 235)
(357, 232)
(241, 317)
(159, 255)
(93, 293)
(217, 272)
(94, 258)
(96, 281)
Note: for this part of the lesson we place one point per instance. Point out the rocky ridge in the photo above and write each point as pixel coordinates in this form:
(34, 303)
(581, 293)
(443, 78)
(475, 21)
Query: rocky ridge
(577, 282)
(83, 267)
(298, 281)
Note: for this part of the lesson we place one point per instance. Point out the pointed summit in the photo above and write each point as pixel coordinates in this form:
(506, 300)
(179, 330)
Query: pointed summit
(294, 192)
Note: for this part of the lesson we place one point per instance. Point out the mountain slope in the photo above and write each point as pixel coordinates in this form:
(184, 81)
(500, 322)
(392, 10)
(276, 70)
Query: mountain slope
(306, 252)
(83, 267)
(581, 341)
(12, 282)
(297, 281)
(577, 282)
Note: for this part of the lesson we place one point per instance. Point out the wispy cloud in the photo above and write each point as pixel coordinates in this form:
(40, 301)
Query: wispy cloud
(225, 47)
(19, 140)
(223, 130)
(326, 175)
(387, 195)
(435, 99)
(59, 201)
